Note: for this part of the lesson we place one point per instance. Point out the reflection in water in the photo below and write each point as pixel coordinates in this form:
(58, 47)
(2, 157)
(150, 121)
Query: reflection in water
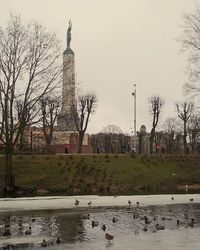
(75, 227)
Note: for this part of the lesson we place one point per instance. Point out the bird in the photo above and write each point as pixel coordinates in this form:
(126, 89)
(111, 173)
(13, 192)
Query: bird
(58, 241)
(137, 203)
(145, 228)
(172, 198)
(129, 202)
(86, 217)
(6, 232)
(114, 219)
(191, 223)
(95, 223)
(147, 221)
(191, 199)
(178, 222)
(44, 243)
(166, 218)
(135, 216)
(28, 231)
(89, 203)
(109, 236)
(159, 227)
(76, 202)
(103, 227)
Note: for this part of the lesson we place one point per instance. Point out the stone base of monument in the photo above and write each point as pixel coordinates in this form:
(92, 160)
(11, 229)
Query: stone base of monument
(67, 142)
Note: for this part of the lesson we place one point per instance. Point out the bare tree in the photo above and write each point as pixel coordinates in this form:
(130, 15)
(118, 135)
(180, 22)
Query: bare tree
(156, 104)
(170, 130)
(50, 109)
(29, 69)
(194, 131)
(81, 111)
(184, 111)
(111, 134)
(190, 40)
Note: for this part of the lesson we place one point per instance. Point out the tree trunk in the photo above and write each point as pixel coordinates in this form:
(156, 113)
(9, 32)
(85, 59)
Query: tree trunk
(185, 140)
(9, 177)
(140, 144)
(21, 141)
(80, 142)
(151, 140)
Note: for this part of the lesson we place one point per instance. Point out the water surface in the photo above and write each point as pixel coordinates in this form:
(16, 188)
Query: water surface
(77, 233)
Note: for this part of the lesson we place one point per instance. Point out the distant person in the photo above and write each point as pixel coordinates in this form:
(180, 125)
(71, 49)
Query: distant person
(44, 243)
(162, 150)
(66, 150)
(58, 241)
(98, 150)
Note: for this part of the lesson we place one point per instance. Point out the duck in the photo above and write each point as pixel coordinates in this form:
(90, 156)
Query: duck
(89, 203)
(86, 217)
(28, 231)
(129, 202)
(178, 222)
(95, 223)
(76, 202)
(142, 217)
(166, 218)
(58, 241)
(135, 216)
(159, 227)
(145, 228)
(191, 223)
(109, 236)
(103, 227)
(147, 221)
(114, 219)
(44, 243)
(6, 232)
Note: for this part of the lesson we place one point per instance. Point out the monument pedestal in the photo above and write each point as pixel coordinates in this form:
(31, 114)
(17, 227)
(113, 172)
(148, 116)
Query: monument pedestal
(67, 142)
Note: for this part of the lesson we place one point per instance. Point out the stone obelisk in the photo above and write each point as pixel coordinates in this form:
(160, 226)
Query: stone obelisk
(65, 120)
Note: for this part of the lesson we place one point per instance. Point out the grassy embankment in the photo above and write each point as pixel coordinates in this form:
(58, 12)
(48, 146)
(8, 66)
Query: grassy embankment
(103, 173)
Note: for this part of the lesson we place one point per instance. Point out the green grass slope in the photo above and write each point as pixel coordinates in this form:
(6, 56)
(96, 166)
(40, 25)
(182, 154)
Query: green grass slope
(100, 173)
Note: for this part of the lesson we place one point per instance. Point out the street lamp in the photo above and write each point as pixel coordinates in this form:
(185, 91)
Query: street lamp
(134, 108)
(132, 139)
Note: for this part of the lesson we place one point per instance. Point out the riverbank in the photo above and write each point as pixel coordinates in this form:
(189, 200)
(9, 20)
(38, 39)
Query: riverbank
(100, 174)
(98, 203)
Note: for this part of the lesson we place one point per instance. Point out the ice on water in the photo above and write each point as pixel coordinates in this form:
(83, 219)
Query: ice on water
(50, 217)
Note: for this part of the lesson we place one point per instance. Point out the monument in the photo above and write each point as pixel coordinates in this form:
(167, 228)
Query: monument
(65, 120)
(65, 138)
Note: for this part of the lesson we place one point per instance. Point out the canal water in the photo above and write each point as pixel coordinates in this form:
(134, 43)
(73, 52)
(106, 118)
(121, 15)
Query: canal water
(26, 222)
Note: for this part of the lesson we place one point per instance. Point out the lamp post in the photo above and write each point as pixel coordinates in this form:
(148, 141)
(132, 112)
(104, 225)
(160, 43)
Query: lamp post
(134, 108)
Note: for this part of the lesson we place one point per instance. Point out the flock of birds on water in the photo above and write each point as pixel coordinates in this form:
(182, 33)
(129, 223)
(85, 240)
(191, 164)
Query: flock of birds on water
(147, 221)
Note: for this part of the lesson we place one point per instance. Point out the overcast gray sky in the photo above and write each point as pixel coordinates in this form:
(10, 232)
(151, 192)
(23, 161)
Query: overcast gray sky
(118, 43)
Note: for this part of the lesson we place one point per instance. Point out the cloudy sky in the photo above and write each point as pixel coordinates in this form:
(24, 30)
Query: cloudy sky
(118, 43)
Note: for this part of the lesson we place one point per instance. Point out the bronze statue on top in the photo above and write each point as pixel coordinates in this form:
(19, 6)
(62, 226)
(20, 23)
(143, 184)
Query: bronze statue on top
(69, 37)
